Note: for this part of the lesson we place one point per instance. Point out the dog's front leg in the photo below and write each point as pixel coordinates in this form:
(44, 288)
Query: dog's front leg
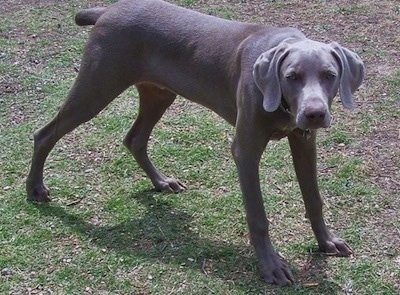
(305, 162)
(247, 148)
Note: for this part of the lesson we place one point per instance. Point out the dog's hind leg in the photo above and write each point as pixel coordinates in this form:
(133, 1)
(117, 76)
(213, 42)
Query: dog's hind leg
(153, 103)
(93, 90)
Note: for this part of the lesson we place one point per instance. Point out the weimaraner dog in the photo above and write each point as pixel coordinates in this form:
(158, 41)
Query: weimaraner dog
(268, 82)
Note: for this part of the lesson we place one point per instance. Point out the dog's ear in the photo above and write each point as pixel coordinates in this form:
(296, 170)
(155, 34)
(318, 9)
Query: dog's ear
(266, 75)
(352, 73)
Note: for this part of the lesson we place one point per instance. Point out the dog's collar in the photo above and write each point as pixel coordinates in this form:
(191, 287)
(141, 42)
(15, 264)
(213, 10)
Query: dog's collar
(307, 134)
(285, 107)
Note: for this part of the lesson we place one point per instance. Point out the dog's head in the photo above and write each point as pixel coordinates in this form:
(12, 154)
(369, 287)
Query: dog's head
(303, 77)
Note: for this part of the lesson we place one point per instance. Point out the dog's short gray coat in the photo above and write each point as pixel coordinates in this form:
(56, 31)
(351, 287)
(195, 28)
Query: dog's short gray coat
(268, 82)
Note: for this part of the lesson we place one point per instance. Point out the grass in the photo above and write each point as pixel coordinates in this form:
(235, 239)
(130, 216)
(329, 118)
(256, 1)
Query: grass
(107, 232)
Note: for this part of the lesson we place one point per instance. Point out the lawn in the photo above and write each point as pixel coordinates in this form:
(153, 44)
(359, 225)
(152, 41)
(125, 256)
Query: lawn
(107, 232)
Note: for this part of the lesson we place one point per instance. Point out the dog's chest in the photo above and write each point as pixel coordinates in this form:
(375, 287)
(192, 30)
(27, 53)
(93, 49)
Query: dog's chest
(285, 126)
(280, 134)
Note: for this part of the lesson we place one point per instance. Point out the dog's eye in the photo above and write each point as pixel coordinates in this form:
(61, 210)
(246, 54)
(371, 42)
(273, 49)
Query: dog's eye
(291, 76)
(330, 75)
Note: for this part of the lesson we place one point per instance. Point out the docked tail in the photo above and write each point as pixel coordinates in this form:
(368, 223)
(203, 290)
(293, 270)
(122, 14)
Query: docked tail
(87, 17)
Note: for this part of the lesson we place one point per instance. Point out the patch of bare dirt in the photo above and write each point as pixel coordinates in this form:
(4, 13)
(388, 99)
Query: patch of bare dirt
(10, 6)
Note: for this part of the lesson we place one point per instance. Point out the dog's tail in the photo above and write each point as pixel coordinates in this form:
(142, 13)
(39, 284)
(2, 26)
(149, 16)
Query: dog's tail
(87, 17)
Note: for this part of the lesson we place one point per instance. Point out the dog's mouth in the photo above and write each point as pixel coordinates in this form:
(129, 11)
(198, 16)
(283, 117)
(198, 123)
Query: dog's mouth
(306, 121)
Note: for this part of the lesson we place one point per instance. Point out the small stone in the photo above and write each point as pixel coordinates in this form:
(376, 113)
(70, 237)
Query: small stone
(6, 272)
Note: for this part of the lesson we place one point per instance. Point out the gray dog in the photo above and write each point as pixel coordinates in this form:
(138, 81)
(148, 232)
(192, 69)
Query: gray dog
(268, 82)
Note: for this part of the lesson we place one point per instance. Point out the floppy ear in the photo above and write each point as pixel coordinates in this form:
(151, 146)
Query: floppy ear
(352, 73)
(266, 75)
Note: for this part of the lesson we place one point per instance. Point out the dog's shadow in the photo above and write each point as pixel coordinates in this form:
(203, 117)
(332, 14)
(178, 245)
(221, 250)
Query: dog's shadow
(163, 233)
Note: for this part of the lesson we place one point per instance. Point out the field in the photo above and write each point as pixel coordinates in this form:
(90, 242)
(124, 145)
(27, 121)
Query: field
(107, 232)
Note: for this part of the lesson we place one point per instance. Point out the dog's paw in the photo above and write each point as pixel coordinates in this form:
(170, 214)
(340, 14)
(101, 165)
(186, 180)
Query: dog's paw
(335, 246)
(276, 271)
(38, 194)
(170, 185)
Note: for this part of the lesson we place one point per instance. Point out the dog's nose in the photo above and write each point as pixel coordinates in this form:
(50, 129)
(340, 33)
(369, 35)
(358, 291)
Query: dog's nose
(315, 115)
